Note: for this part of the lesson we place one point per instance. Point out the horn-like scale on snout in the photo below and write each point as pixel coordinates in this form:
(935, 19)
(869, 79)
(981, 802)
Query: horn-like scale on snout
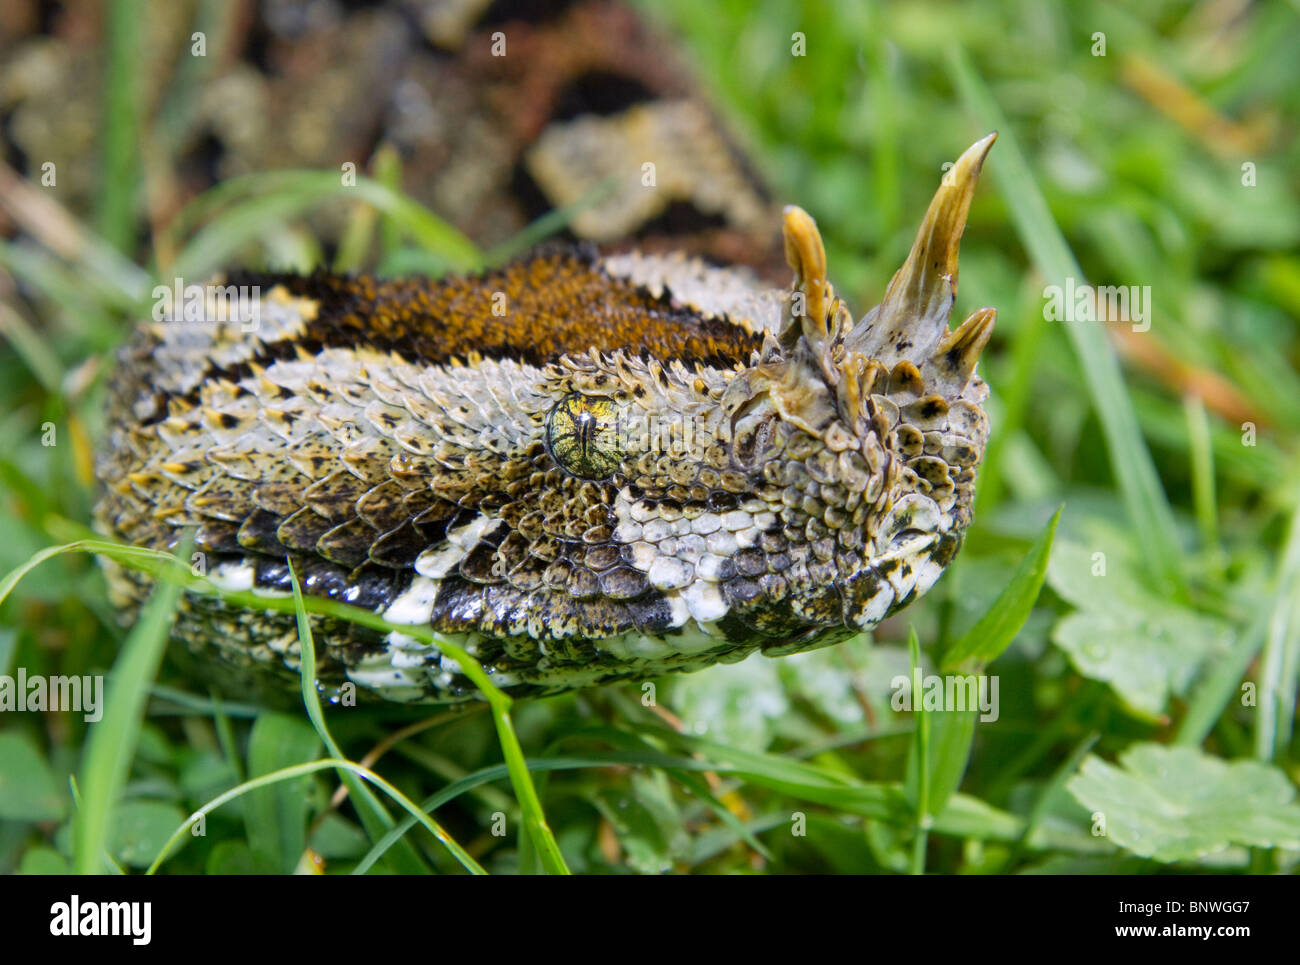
(897, 387)
(902, 349)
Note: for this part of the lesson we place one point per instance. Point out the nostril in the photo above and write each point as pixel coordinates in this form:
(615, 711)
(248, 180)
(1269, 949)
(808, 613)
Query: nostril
(908, 535)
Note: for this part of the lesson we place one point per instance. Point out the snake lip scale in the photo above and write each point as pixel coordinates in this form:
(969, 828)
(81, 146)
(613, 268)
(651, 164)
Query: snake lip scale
(643, 464)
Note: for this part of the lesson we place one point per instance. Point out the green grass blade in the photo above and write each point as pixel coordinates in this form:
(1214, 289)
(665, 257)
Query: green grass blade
(119, 153)
(301, 770)
(387, 166)
(916, 785)
(548, 850)
(549, 224)
(32, 349)
(112, 742)
(700, 788)
(964, 816)
(1280, 662)
(1015, 395)
(1135, 472)
(1211, 697)
(255, 202)
(1202, 453)
(1036, 814)
(995, 630)
(374, 816)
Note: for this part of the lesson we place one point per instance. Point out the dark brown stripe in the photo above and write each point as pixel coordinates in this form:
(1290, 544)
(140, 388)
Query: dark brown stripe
(557, 301)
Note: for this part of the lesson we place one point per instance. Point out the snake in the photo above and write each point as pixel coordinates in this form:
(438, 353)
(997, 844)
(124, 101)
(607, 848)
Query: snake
(628, 452)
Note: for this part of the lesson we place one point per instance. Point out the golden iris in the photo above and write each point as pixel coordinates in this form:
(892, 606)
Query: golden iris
(582, 436)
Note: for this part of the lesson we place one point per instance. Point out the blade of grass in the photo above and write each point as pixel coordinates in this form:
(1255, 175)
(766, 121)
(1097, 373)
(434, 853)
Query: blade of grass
(176, 574)
(311, 767)
(1057, 781)
(128, 555)
(172, 569)
(1280, 663)
(1202, 453)
(1211, 697)
(885, 153)
(109, 860)
(84, 299)
(454, 790)
(374, 816)
(549, 224)
(180, 110)
(534, 818)
(387, 167)
(119, 154)
(358, 235)
(111, 746)
(1015, 396)
(282, 195)
(39, 215)
(965, 816)
(226, 738)
(917, 783)
(995, 630)
(1135, 472)
(32, 349)
(190, 704)
(700, 788)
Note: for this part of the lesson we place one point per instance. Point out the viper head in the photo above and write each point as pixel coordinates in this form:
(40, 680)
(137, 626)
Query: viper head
(823, 482)
(582, 467)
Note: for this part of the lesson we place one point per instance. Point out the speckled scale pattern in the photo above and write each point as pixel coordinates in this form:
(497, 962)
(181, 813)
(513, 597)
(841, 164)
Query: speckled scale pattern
(774, 488)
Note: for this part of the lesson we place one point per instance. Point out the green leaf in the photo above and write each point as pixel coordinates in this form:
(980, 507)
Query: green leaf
(1097, 567)
(937, 756)
(43, 861)
(231, 858)
(951, 734)
(291, 774)
(1145, 654)
(1179, 804)
(140, 829)
(339, 838)
(994, 631)
(28, 788)
(647, 821)
(120, 168)
(276, 816)
(1124, 633)
(920, 767)
(1212, 694)
(737, 704)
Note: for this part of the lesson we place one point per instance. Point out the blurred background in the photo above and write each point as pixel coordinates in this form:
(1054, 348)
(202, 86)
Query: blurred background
(1153, 148)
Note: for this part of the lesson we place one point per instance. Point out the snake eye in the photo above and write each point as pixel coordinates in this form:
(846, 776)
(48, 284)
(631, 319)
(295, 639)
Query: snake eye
(582, 436)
